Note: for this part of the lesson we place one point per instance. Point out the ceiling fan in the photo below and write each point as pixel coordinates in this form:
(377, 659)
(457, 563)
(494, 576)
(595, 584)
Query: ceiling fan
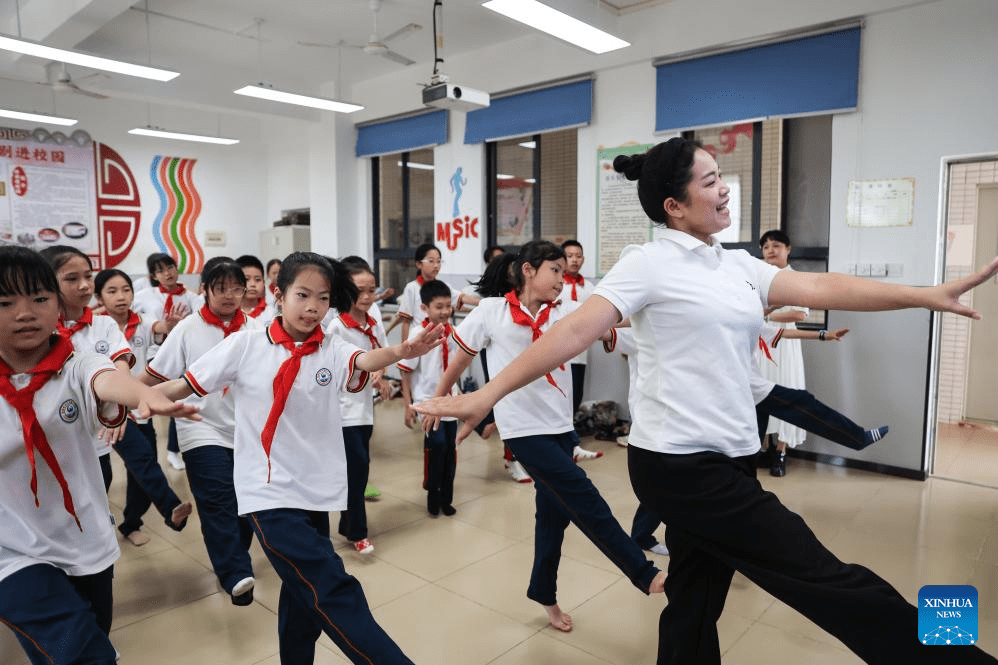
(59, 80)
(377, 45)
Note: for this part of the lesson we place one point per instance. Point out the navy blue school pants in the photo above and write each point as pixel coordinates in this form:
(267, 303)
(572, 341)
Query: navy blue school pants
(53, 618)
(105, 470)
(317, 594)
(578, 385)
(172, 442)
(357, 445)
(440, 450)
(565, 494)
(146, 484)
(227, 536)
(801, 408)
(643, 528)
(721, 520)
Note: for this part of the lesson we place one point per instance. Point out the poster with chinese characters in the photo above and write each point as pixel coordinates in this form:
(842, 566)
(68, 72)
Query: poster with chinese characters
(878, 203)
(619, 217)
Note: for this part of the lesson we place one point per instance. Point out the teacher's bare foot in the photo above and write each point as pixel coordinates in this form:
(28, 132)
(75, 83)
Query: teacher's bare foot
(559, 619)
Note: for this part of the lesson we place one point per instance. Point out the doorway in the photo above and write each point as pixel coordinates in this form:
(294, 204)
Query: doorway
(966, 427)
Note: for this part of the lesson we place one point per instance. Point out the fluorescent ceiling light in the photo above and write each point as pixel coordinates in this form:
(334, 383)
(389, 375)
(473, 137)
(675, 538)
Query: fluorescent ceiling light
(530, 180)
(417, 165)
(159, 133)
(554, 22)
(528, 144)
(503, 176)
(37, 117)
(72, 57)
(264, 92)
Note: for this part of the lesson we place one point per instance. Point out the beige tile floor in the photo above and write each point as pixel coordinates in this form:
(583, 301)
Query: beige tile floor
(451, 590)
(967, 452)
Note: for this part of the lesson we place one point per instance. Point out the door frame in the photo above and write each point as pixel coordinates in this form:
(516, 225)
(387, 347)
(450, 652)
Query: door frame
(942, 218)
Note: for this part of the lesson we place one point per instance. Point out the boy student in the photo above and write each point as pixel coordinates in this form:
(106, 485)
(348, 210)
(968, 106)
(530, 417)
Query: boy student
(254, 303)
(577, 290)
(420, 377)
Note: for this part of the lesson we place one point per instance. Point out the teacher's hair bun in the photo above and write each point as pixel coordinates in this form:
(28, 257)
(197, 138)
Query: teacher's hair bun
(629, 165)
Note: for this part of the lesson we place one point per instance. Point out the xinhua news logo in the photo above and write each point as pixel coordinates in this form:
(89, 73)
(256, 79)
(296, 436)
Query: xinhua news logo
(947, 615)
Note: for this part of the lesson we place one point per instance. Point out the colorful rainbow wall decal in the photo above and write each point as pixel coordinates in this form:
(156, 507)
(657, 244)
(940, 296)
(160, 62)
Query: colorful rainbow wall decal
(179, 207)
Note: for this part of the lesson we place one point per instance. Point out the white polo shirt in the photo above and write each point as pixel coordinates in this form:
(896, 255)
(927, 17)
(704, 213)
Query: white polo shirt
(357, 408)
(69, 413)
(190, 339)
(582, 293)
(141, 341)
(374, 313)
(696, 311)
(150, 302)
(426, 371)
(307, 463)
(410, 300)
(104, 338)
(538, 407)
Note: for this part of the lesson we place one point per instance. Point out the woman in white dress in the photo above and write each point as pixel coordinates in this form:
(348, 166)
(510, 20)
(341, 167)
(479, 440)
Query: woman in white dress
(786, 367)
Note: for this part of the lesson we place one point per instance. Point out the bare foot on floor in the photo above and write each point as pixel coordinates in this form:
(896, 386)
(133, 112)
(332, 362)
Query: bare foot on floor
(658, 584)
(180, 513)
(559, 619)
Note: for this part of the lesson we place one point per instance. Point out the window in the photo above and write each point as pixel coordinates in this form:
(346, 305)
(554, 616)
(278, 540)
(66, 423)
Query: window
(779, 172)
(533, 188)
(403, 213)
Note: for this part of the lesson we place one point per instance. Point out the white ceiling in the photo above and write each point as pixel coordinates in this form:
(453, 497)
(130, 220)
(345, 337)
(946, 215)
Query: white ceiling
(213, 43)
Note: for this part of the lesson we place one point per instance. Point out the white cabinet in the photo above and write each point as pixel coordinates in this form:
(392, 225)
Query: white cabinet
(278, 242)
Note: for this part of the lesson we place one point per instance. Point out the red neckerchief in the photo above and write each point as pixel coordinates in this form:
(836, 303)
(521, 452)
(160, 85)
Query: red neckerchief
(443, 346)
(765, 348)
(258, 310)
(23, 402)
(179, 290)
(273, 289)
(285, 377)
(576, 279)
(521, 318)
(132, 325)
(420, 280)
(86, 319)
(238, 319)
(350, 322)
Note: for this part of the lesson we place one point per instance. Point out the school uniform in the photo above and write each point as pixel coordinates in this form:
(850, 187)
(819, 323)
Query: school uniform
(696, 311)
(287, 479)
(410, 299)
(100, 335)
(357, 411)
(207, 445)
(156, 302)
(57, 543)
(577, 289)
(536, 423)
(439, 445)
(146, 485)
(263, 312)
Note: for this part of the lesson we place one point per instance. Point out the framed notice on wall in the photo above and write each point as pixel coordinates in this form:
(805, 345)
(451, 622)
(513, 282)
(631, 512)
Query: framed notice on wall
(620, 221)
(879, 203)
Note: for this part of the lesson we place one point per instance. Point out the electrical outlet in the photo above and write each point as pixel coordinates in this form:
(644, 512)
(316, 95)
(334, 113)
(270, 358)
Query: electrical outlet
(878, 270)
(895, 269)
(863, 269)
(851, 269)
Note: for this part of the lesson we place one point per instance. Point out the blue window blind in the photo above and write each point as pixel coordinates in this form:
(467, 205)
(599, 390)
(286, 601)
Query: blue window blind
(418, 131)
(808, 75)
(533, 112)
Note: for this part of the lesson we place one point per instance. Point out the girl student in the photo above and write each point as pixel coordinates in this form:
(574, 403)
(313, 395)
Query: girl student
(146, 483)
(359, 328)
(428, 266)
(273, 268)
(520, 303)
(206, 446)
(254, 303)
(77, 323)
(696, 310)
(287, 478)
(57, 543)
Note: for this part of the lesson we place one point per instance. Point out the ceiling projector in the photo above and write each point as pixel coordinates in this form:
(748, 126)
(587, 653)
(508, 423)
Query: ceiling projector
(457, 97)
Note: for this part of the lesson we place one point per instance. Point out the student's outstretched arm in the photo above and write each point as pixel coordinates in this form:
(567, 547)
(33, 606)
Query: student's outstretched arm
(120, 387)
(417, 345)
(177, 389)
(562, 342)
(836, 291)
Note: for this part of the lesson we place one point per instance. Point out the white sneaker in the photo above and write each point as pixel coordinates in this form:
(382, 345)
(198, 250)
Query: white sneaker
(622, 441)
(175, 460)
(659, 548)
(579, 453)
(519, 474)
(243, 585)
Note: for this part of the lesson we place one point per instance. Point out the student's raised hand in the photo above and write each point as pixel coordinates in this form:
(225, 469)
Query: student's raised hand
(836, 335)
(470, 408)
(381, 384)
(946, 297)
(423, 341)
(177, 313)
(155, 403)
(114, 434)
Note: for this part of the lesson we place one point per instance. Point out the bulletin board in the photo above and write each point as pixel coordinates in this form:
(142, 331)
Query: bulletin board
(620, 220)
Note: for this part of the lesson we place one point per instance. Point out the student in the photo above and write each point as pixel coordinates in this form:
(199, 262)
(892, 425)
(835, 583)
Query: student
(273, 268)
(428, 267)
(696, 310)
(254, 304)
(577, 290)
(206, 446)
(520, 303)
(362, 330)
(168, 301)
(787, 366)
(146, 484)
(420, 377)
(87, 333)
(57, 544)
(290, 463)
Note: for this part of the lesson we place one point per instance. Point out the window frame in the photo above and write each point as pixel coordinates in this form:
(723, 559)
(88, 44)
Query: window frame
(404, 253)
